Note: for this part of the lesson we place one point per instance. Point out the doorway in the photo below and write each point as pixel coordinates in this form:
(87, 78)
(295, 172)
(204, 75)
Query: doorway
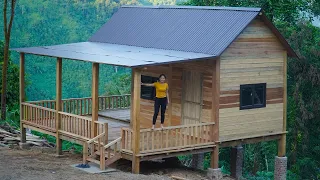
(191, 97)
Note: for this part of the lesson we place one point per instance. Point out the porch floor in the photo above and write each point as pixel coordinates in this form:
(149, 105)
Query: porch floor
(114, 127)
(116, 119)
(118, 114)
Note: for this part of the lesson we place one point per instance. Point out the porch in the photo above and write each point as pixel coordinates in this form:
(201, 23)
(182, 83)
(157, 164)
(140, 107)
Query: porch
(114, 137)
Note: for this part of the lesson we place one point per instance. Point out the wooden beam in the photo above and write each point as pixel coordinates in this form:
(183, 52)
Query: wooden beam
(136, 81)
(215, 111)
(95, 96)
(22, 96)
(58, 105)
(169, 76)
(234, 143)
(282, 141)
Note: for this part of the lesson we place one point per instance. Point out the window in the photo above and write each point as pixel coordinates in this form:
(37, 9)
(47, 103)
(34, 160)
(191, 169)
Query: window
(252, 96)
(148, 92)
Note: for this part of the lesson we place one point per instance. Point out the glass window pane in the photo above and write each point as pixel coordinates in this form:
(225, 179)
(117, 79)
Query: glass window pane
(258, 95)
(246, 96)
(148, 92)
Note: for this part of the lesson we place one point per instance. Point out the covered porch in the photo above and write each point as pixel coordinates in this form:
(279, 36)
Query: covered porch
(109, 127)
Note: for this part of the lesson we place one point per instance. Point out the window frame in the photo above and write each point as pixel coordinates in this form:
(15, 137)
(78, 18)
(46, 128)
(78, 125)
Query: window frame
(150, 88)
(253, 89)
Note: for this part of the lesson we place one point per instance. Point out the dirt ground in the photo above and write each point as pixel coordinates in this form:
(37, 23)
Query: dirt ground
(40, 164)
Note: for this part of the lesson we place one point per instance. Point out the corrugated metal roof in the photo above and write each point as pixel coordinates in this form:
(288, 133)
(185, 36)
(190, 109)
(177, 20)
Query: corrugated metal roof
(140, 35)
(113, 54)
(208, 30)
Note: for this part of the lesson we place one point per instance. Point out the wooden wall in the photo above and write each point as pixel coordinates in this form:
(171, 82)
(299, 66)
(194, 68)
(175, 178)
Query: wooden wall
(174, 80)
(255, 57)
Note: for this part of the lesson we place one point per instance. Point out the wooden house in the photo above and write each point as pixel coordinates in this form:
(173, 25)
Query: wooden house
(226, 69)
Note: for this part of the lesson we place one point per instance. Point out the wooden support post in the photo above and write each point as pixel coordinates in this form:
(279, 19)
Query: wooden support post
(106, 133)
(95, 100)
(22, 96)
(282, 141)
(170, 95)
(215, 111)
(136, 81)
(58, 105)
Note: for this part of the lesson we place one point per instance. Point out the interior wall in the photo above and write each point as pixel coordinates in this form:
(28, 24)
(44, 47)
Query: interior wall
(256, 56)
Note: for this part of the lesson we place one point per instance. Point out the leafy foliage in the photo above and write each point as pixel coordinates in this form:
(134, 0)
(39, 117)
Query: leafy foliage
(50, 22)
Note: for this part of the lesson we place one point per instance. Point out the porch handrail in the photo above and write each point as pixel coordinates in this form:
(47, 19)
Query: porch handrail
(175, 127)
(83, 106)
(118, 140)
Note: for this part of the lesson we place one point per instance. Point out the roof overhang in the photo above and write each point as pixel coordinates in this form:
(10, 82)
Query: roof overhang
(114, 54)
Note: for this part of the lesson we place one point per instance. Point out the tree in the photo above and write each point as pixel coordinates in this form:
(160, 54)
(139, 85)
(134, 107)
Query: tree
(7, 33)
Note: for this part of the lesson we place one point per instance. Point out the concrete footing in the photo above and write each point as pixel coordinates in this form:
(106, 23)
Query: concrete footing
(280, 168)
(236, 162)
(214, 174)
(24, 145)
(197, 161)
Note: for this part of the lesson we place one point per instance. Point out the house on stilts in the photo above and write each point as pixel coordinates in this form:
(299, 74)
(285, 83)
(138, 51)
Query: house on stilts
(227, 73)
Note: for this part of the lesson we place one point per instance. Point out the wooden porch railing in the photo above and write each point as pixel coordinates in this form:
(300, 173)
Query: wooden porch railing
(126, 142)
(38, 116)
(175, 137)
(83, 106)
(71, 124)
(79, 125)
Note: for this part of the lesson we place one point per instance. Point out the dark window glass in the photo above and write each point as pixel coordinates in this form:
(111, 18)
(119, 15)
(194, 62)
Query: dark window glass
(148, 92)
(258, 95)
(252, 96)
(246, 93)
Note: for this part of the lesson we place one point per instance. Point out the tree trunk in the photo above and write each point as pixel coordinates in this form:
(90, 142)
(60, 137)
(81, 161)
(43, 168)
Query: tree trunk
(4, 80)
(7, 32)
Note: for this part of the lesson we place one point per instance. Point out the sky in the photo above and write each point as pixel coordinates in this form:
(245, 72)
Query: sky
(316, 22)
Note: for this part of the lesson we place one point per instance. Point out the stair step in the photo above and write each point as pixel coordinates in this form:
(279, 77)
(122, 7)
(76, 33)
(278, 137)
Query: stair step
(115, 158)
(93, 160)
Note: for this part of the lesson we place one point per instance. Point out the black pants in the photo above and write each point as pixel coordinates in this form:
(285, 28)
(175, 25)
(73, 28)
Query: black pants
(157, 103)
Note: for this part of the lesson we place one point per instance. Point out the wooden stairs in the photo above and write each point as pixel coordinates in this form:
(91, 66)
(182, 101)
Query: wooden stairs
(96, 151)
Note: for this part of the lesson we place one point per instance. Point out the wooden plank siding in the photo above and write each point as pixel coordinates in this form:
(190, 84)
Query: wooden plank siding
(147, 106)
(256, 56)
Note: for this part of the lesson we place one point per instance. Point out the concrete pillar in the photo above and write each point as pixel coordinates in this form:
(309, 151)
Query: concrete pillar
(214, 174)
(197, 161)
(236, 162)
(280, 168)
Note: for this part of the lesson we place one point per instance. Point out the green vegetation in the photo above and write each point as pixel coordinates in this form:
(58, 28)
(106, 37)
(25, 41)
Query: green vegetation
(49, 22)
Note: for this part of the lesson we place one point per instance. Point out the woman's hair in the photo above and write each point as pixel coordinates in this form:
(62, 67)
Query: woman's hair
(163, 76)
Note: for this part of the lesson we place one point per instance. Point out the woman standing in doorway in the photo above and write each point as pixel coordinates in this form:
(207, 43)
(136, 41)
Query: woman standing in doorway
(161, 99)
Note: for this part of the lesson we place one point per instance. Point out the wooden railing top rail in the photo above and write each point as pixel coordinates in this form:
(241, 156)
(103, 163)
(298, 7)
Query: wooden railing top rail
(177, 127)
(113, 142)
(39, 107)
(78, 98)
(96, 138)
(126, 129)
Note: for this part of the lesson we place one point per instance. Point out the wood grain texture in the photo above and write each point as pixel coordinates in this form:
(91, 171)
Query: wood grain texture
(95, 96)
(256, 56)
(136, 80)
(22, 95)
(58, 104)
(173, 113)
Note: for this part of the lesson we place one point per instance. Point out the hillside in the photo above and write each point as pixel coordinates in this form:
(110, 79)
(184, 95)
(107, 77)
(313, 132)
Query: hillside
(49, 22)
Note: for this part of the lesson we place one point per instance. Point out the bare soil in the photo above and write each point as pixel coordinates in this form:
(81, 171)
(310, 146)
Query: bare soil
(40, 164)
